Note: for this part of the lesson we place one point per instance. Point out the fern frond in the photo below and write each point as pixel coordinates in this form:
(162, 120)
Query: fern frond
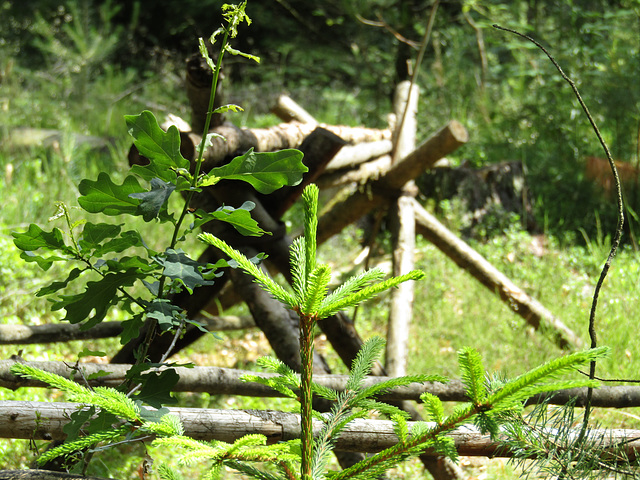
(249, 267)
(310, 202)
(364, 361)
(354, 284)
(298, 264)
(528, 384)
(82, 443)
(366, 293)
(472, 374)
(317, 286)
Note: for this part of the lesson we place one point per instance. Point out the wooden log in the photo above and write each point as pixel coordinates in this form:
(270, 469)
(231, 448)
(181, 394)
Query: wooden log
(364, 172)
(532, 311)
(66, 332)
(319, 149)
(288, 110)
(45, 420)
(43, 475)
(27, 137)
(402, 226)
(226, 381)
(353, 155)
(198, 82)
(402, 223)
(238, 140)
(352, 202)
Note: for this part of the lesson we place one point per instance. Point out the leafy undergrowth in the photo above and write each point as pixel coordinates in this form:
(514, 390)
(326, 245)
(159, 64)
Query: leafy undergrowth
(451, 311)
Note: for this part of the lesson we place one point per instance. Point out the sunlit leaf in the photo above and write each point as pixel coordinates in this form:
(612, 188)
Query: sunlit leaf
(265, 171)
(160, 147)
(238, 218)
(105, 196)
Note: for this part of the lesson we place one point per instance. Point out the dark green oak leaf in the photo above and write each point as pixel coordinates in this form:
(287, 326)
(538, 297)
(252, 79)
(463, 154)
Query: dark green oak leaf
(35, 238)
(165, 313)
(97, 297)
(93, 234)
(55, 286)
(156, 388)
(125, 240)
(265, 171)
(160, 147)
(178, 266)
(105, 196)
(151, 202)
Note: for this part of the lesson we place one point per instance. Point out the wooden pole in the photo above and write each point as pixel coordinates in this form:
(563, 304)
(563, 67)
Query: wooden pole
(45, 420)
(534, 313)
(402, 222)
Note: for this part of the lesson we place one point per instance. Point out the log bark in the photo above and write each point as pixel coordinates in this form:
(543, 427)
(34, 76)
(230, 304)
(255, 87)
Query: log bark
(402, 223)
(198, 82)
(66, 332)
(226, 381)
(352, 202)
(42, 475)
(365, 172)
(44, 421)
(532, 311)
(288, 110)
(354, 155)
(238, 140)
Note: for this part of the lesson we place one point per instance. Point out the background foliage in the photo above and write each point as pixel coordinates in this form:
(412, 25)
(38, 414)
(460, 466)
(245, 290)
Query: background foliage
(79, 66)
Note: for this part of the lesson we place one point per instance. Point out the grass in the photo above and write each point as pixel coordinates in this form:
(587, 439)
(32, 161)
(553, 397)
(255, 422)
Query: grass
(451, 309)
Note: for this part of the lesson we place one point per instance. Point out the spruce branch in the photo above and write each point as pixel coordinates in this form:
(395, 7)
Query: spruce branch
(528, 384)
(298, 269)
(82, 443)
(106, 398)
(249, 267)
(327, 309)
(310, 203)
(473, 374)
(317, 286)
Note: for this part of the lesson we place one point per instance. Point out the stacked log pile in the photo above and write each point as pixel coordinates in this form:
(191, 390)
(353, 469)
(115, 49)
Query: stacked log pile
(370, 169)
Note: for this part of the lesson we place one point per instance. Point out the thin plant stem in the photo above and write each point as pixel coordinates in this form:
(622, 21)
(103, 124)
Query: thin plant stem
(194, 181)
(306, 375)
(618, 232)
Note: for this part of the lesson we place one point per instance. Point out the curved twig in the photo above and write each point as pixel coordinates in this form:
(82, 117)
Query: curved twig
(618, 232)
